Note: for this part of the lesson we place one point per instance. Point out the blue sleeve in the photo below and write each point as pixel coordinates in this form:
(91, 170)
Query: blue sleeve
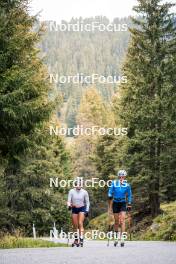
(111, 190)
(129, 193)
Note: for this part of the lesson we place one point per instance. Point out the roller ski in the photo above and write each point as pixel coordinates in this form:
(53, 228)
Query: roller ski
(75, 243)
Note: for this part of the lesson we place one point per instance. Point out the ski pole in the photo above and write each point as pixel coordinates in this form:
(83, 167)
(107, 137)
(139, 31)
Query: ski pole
(68, 239)
(68, 235)
(129, 221)
(109, 227)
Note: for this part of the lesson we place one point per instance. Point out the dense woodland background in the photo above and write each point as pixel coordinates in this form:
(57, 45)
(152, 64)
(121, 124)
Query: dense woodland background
(68, 53)
(146, 54)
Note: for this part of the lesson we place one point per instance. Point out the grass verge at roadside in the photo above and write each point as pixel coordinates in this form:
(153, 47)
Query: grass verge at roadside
(19, 242)
(163, 226)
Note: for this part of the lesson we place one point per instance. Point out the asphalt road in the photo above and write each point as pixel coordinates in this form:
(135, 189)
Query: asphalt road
(95, 252)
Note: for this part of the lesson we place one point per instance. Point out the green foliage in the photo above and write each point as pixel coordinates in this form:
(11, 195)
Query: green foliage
(29, 156)
(19, 242)
(89, 114)
(145, 104)
(85, 53)
(23, 86)
(31, 198)
(163, 227)
(99, 223)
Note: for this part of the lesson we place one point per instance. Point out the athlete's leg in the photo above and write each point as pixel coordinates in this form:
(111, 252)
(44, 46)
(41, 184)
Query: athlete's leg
(116, 226)
(75, 221)
(75, 225)
(81, 217)
(122, 221)
(116, 222)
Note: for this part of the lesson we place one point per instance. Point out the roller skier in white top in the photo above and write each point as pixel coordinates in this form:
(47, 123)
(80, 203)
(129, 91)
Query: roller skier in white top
(78, 203)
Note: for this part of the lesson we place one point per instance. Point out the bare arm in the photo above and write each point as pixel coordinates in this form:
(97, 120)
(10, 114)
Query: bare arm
(69, 200)
(87, 201)
(110, 202)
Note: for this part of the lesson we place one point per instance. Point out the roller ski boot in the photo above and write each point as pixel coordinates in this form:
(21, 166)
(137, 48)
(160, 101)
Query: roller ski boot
(115, 243)
(122, 243)
(116, 238)
(81, 242)
(75, 243)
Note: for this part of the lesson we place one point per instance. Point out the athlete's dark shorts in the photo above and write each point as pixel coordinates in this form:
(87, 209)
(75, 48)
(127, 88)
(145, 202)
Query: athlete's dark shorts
(76, 210)
(118, 207)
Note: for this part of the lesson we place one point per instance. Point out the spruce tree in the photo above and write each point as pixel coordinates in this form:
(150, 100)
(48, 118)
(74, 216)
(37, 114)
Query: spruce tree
(148, 100)
(24, 103)
(29, 157)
